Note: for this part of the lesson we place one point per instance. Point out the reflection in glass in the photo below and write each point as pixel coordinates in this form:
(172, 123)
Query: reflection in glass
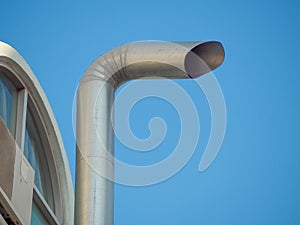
(7, 102)
(37, 218)
(29, 152)
(35, 154)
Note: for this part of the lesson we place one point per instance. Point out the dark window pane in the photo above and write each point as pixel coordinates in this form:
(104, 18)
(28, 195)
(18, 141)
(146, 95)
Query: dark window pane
(7, 102)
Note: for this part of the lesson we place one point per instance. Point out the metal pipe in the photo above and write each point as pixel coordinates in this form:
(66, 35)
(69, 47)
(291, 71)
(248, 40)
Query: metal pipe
(95, 96)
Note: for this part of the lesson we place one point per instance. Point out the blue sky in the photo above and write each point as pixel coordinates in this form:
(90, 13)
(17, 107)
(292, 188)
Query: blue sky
(255, 178)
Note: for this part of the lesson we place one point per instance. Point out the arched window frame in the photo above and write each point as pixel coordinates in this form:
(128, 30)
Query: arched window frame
(25, 102)
(21, 73)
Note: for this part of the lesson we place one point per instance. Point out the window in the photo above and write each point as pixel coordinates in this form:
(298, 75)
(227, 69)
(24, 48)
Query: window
(32, 131)
(8, 102)
(34, 151)
(37, 217)
(32, 145)
(22, 119)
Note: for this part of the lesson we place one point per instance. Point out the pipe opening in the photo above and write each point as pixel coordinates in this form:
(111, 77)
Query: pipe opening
(204, 58)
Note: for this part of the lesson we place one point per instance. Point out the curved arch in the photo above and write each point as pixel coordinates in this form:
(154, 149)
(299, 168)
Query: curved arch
(13, 61)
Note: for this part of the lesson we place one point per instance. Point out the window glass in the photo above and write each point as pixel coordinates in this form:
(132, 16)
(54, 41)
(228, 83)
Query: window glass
(35, 154)
(8, 95)
(29, 152)
(37, 218)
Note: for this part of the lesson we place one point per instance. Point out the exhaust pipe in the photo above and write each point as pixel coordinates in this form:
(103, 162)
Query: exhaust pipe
(94, 202)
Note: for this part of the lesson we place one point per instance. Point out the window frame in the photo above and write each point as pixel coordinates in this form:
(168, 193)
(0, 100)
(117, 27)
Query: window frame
(10, 84)
(47, 160)
(25, 103)
(47, 212)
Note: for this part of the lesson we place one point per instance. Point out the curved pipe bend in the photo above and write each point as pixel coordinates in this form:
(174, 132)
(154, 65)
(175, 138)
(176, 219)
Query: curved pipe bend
(156, 59)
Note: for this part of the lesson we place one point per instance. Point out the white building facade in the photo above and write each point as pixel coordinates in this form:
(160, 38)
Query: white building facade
(35, 181)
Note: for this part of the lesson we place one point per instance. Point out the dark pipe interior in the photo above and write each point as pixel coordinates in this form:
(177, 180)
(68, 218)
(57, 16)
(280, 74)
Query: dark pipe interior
(203, 58)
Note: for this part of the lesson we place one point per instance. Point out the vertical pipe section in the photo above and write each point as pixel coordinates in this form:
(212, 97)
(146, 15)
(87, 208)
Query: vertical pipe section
(94, 193)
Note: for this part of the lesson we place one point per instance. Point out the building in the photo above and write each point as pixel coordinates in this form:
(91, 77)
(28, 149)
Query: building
(35, 179)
